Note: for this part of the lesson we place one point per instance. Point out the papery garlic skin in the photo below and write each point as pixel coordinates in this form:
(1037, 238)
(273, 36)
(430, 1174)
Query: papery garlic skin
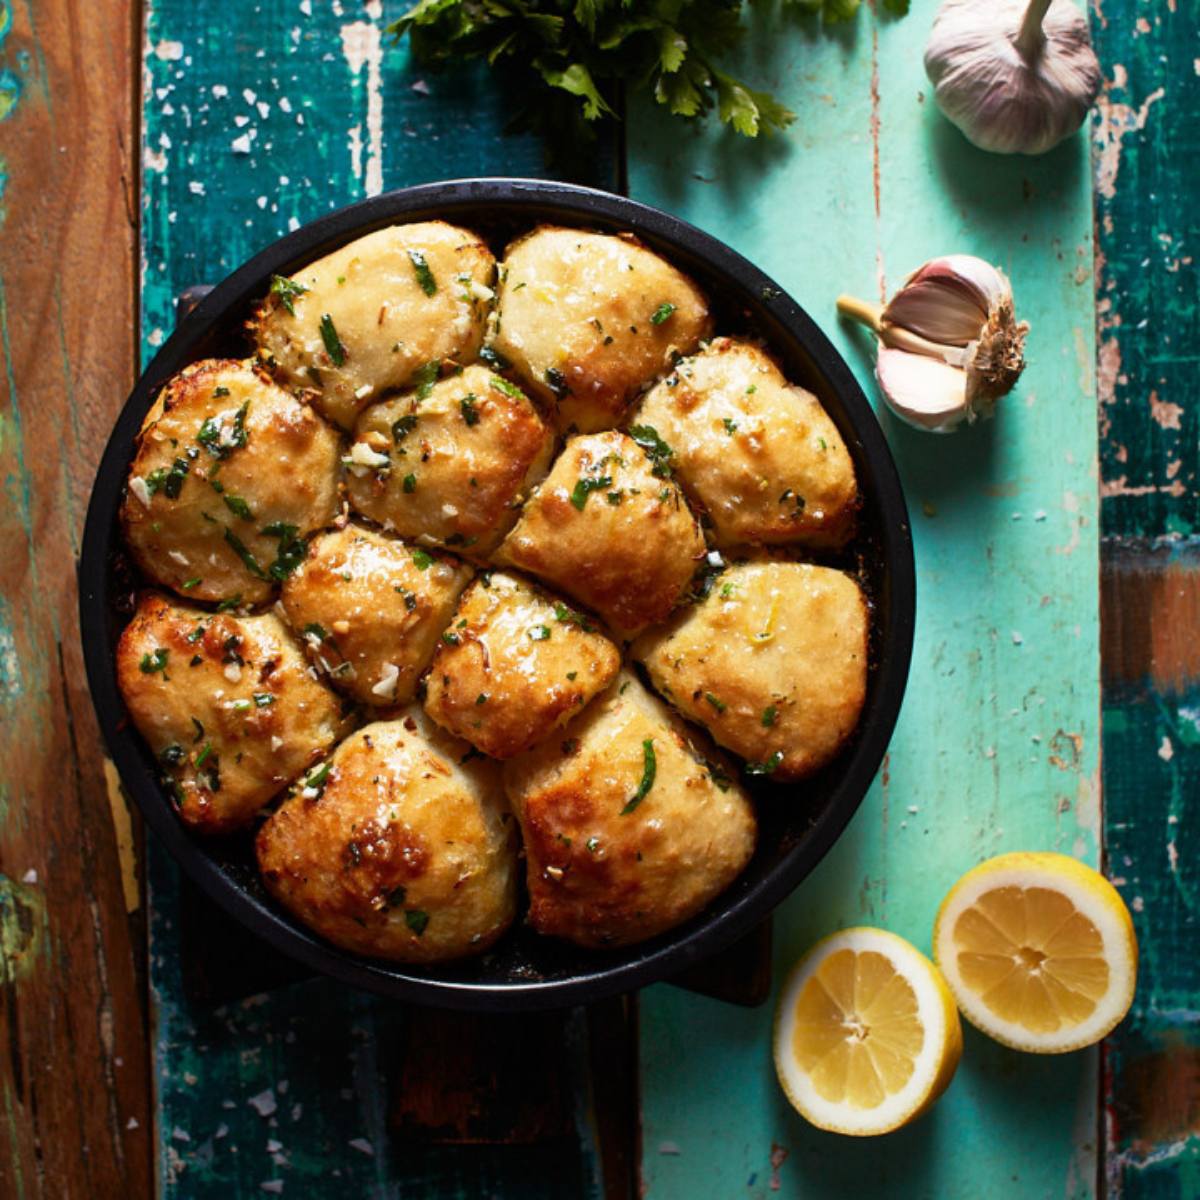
(949, 342)
(1016, 76)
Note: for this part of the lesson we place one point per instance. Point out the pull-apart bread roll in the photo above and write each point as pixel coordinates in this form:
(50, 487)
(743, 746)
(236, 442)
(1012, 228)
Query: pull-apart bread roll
(631, 823)
(773, 662)
(588, 319)
(514, 665)
(371, 316)
(400, 846)
(450, 462)
(231, 473)
(371, 609)
(609, 527)
(759, 455)
(228, 705)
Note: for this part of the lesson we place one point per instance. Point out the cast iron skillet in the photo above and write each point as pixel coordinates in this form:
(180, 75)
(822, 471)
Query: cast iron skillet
(798, 822)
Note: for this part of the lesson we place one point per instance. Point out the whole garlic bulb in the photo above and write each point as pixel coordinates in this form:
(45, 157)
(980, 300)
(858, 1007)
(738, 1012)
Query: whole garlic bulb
(1016, 76)
(949, 342)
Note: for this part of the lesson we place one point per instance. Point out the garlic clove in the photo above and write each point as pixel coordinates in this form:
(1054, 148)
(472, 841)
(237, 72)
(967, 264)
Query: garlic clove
(1016, 76)
(923, 391)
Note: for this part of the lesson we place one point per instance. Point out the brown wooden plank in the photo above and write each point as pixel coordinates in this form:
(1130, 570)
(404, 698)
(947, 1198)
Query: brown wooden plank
(74, 1083)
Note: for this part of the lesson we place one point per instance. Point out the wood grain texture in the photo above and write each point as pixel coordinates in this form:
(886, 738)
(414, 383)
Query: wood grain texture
(997, 746)
(1147, 175)
(74, 1111)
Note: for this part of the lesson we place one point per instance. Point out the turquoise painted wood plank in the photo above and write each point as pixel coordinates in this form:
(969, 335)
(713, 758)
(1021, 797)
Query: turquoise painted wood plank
(254, 123)
(997, 746)
(1147, 181)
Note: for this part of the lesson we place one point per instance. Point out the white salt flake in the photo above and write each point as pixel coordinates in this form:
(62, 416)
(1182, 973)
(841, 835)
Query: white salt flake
(420, 87)
(219, 91)
(1018, 640)
(196, 187)
(241, 145)
(132, 1123)
(264, 1103)
(137, 485)
(168, 51)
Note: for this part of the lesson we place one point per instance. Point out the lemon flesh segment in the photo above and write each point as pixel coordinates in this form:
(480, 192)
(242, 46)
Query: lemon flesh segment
(1039, 951)
(866, 1033)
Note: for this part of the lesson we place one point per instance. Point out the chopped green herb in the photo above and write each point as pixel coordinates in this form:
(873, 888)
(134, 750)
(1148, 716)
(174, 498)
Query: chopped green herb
(314, 629)
(238, 507)
(770, 715)
(649, 769)
(482, 698)
(585, 487)
(218, 392)
(824, 446)
(614, 498)
(508, 389)
(726, 590)
(291, 550)
(239, 548)
(172, 756)
(230, 604)
(752, 389)
(317, 780)
(494, 359)
(421, 559)
(593, 844)
(410, 482)
(416, 919)
(287, 290)
(424, 274)
(170, 483)
(396, 896)
(451, 639)
(715, 701)
(539, 633)
(152, 663)
(730, 426)
(557, 382)
(572, 675)
(568, 616)
(196, 634)
(263, 699)
(333, 343)
(403, 427)
(213, 437)
(425, 377)
(202, 757)
(662, 312)
(188, 584)
(765, 768)
(470, 413)
(659, 453)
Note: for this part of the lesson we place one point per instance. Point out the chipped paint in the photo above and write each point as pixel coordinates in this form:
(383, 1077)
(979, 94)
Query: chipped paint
(22, 929)
(1116, 122)
(361, 45)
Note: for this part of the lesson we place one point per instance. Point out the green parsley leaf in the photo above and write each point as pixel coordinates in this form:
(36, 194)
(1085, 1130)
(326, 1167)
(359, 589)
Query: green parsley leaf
(730, 426)
(424, 274)
(494, 359)
(421, 559)
(556, 381)
(662, 313)
(416, 919)
(659, 453)
(287, 290)
(240, 549)
(425, 378)
(649, 770)
(470, 413)
(585, 487)
(152, 663)
(539, 633)
(333, 343)
(410, 482)
(402, 427)
(238, 507)
(715, 701)
(506, 388)
(765, 768)
(770, 715)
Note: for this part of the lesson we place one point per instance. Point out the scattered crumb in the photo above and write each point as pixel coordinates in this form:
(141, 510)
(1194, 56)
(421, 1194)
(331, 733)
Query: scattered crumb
(264, 1103)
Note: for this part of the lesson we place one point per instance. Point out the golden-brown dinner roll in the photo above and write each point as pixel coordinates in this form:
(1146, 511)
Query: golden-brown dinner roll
(760, 456)
(773, 662)
(515, 664)
(230, 474)
(632, 823)
(588, 319)
(400, 846)
(372, 315)
(227, 704)
(610, 531)
(371, 609)
(450, 462)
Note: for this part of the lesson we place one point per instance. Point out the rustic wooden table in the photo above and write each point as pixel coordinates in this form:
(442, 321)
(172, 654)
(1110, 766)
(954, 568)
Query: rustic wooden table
(1055, 694)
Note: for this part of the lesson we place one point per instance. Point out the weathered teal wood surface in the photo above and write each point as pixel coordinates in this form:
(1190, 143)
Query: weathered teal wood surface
(998, 742)
(1148, 229)
(257, 119)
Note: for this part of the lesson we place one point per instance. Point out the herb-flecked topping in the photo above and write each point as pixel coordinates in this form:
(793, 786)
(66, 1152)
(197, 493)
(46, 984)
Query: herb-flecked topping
(767, 767)
(659, 453)
(585, 487)
(157, 661)
(287, 290)
(662, 313)
(649, 770)
(422, 560)
(242, 551)
(333, 343)
(470, 413)
(423, 273)
(416, 919)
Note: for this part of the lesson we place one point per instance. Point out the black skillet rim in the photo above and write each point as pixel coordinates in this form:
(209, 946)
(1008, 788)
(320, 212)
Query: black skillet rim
(699, 938)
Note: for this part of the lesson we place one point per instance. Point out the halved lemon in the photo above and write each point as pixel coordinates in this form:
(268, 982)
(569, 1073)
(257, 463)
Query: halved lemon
(1039, 951)
(866, 1033)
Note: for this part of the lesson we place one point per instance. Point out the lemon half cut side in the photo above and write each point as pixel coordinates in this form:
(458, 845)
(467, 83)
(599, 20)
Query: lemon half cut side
(1039, 951)
(867, 1035)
